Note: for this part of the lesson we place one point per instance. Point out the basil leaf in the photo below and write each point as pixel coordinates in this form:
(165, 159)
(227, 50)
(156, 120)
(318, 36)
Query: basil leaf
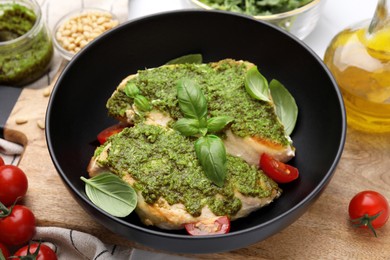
(142, 103)
(211, 154)
(216, 124)
(131, 90)
(256, 85)
(286, 107)
(190, 58)
(192, 102)
(111, 194)
(187, 126)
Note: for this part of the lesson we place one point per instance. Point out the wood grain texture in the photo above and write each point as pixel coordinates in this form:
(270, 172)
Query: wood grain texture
(323, 232)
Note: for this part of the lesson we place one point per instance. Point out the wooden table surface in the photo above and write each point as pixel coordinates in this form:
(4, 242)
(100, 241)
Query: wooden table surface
(323, 232)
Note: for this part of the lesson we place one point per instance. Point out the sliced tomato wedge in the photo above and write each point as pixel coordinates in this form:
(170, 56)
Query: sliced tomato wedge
(212, 226)
(109, 131)
(276, 170)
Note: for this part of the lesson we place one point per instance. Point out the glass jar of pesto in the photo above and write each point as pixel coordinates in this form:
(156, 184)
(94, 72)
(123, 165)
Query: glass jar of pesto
(26, 48)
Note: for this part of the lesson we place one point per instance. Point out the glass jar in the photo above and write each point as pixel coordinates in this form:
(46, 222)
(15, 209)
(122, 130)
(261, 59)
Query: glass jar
(359, 59)
(26, 47)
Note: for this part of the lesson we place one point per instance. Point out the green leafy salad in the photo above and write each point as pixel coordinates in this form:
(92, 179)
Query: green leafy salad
(256, 7)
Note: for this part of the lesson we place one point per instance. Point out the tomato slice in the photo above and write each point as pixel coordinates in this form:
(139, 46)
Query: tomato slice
(278, 171)
(109, 131)
(1, 161)
(212, 226)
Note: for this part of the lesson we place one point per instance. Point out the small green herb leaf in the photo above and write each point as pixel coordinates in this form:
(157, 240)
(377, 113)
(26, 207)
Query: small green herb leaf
(285, 105)
(131, 90)
(256, 85)
(142, 103)
(190, 58)
(211, 154)
(216, 124)
(192, 102)
(111, 194)
(187, 126)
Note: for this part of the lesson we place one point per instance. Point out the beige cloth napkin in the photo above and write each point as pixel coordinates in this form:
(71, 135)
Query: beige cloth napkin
(73, 245)
(10, 152)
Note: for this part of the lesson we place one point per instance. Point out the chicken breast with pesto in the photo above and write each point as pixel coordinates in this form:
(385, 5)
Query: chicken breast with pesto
(163, 164)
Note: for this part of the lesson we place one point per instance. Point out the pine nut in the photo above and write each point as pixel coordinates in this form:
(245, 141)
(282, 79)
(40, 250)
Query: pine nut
(21, 120)
(41, 124)
(78, 31)
(47, 92)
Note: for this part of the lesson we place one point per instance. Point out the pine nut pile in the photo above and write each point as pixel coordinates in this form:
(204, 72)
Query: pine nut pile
(78, 31)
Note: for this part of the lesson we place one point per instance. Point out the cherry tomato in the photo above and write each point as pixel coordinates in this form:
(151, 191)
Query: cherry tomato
(13, 184)
(17, 225)
(278, 171)
(369, 209)
(1, 161)
(4, 251)
(40, 251)
(213, 226)
(109, 131)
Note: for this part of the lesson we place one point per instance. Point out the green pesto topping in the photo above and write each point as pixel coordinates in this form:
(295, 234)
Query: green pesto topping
(15, 20)
(224, 88)
(164, 164)
(24, 61)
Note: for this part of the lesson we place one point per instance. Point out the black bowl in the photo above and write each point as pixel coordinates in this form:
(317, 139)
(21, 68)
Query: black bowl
(76, 112)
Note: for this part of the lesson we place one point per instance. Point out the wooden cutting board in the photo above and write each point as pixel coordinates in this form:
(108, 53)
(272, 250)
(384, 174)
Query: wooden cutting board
(322, 232)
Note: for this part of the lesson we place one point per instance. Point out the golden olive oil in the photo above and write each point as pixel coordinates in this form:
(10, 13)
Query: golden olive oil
(360, 63)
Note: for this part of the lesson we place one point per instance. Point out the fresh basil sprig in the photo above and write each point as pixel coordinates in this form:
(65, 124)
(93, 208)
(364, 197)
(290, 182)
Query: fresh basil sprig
(216, 124)
(141, 102)
(190, 58)
(211, 153)
(187, 126)
(285, 106)
(192, 102)
(131, 90)
(257, 85)
(209, 149)
(111, 194)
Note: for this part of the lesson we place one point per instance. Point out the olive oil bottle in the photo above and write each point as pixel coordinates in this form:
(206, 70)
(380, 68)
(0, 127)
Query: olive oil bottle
(359, 59)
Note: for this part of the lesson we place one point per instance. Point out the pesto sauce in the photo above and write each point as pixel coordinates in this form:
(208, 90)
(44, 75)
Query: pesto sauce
(164, 164)
(224, 88)
(23, 60)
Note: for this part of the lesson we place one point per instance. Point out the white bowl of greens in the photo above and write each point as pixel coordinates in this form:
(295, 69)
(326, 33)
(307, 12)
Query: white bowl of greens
(299, 17)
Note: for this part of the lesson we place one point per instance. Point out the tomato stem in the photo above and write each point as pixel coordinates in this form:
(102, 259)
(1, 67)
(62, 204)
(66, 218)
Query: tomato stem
(366, 220)
(31, 255)
(4, 211)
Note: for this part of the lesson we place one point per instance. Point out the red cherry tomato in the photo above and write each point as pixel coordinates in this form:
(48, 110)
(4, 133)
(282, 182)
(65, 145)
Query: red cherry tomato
(213, 226)
(1, 161)
(4, 251)
(369, 209)
(278, 171)
(17, 225)
(40, 251)
(109, 131)
(13, 184)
